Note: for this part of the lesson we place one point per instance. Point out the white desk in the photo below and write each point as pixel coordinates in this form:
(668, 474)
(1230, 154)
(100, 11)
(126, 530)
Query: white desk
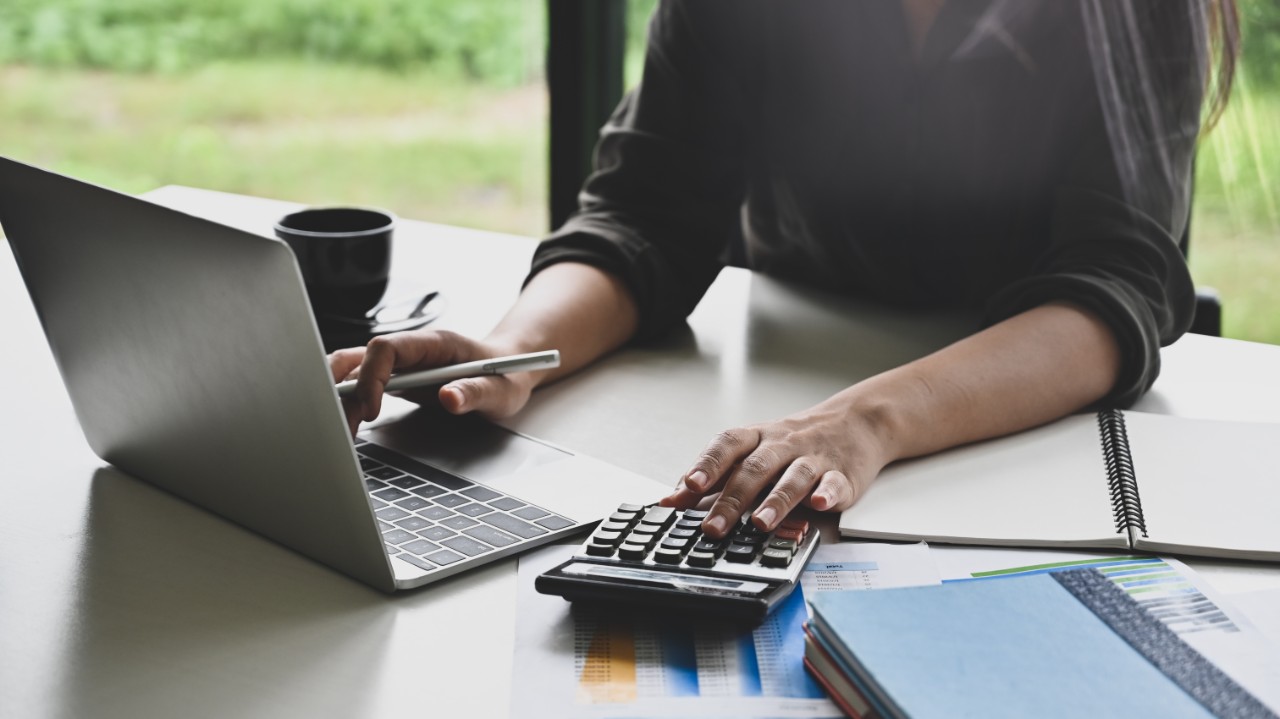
(117, 600)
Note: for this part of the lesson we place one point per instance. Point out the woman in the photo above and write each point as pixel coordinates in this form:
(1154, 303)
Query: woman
(1030, 158)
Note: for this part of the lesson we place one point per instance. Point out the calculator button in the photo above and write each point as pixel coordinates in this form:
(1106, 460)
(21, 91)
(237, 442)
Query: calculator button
(799, 525)
(792, 534)
(789, 545)
(700, 559)
(754, 540)
(694, 524)
(695, 514)
(611, 539)
(631, 550)
(741, 553)
(710, 546)
(645, 530)
(775, 558)
(679, 544)
(613, 526)
(683, 533)
(643, 539)
(622, 517)
(631, 508)
(600, 550)
(658, 516)
(666, 555)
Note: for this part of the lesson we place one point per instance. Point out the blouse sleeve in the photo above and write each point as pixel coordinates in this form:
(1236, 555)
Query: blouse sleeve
(663, 201)
(1114, 246)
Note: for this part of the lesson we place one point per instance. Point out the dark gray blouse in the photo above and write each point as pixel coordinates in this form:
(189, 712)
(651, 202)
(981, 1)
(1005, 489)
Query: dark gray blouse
(808, 135)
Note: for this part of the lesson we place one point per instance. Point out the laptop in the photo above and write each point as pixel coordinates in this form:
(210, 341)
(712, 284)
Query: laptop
(193, 361)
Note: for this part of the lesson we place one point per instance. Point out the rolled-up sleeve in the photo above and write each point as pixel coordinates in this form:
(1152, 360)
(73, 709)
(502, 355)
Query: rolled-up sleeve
(664, 200)
(1117, 257)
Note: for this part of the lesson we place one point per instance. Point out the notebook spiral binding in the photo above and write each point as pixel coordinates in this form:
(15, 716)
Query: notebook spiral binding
(1126, 505)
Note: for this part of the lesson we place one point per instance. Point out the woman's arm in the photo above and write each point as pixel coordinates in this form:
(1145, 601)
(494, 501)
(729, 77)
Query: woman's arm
(1027, 370)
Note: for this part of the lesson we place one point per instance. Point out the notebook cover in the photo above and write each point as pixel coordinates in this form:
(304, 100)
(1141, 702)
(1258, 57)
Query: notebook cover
(1020, 646)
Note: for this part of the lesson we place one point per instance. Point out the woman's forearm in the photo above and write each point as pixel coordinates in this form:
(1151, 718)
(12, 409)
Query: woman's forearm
(580, 310)
(1025, 371)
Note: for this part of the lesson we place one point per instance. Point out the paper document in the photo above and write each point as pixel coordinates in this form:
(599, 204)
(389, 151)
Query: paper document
(581, 663)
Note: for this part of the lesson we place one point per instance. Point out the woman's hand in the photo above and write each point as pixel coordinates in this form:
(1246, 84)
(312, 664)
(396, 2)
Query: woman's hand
(494, 396)
(824, 457)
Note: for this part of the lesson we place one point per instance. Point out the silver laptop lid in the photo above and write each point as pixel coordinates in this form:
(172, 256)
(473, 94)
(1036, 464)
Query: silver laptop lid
(193, 362)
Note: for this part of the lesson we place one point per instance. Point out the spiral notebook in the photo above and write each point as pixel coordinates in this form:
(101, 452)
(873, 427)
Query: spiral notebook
(1131, 480)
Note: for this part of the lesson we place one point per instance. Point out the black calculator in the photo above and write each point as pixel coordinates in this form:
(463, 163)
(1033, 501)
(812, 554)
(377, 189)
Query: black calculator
(658, 557)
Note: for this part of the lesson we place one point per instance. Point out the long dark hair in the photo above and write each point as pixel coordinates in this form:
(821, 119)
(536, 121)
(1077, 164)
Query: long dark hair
(1224, 44)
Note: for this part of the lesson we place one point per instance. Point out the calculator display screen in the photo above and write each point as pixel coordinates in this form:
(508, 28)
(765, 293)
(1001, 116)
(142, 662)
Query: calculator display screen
(691, 582)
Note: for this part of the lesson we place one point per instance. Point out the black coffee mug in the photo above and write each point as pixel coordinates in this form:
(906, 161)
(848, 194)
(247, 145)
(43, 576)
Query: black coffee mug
(344, 254)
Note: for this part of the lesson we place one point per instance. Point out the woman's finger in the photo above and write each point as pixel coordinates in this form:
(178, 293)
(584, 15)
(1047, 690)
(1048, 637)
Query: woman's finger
(756, 471)
(799, 479)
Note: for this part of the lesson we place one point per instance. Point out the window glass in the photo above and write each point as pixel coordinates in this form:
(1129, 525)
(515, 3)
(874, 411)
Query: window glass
(1235, 229)
(434, 109)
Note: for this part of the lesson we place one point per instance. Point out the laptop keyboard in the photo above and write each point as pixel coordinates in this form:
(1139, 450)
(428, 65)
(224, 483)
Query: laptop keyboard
(431, 519)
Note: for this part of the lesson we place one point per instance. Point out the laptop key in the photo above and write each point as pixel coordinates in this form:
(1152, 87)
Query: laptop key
(419, 546)
(391, 514)
(415, 561)
(524, 530)
(413, 524)
(412, 466)
(474, 510)
(444, 557)
(428, 490)
(436, 533)
(489, 535)
(413, 503)
(506, 503)
(367, 464)
(436, 513)
(456, 522)
(384, 527)
(397, 536)
(469, 547)
(480, 494)
(451, 500)
(373, 485)
(391, 494)
(405, 482)
(554, 522)
(530, 513)
(384, 473)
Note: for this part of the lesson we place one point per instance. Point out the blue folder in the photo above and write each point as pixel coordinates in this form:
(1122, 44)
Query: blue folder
(1069, 644)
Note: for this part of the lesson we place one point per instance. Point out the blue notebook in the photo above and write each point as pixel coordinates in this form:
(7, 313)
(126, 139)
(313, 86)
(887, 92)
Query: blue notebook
(1068, 644)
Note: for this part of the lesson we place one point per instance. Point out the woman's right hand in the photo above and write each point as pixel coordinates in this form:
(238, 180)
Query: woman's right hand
(493, 396)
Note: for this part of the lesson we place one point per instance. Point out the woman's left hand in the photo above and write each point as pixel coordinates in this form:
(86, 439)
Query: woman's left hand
(824, 457)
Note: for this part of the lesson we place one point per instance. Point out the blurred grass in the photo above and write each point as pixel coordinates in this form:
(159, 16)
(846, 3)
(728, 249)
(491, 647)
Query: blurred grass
(424, 146)
(1235, 231)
